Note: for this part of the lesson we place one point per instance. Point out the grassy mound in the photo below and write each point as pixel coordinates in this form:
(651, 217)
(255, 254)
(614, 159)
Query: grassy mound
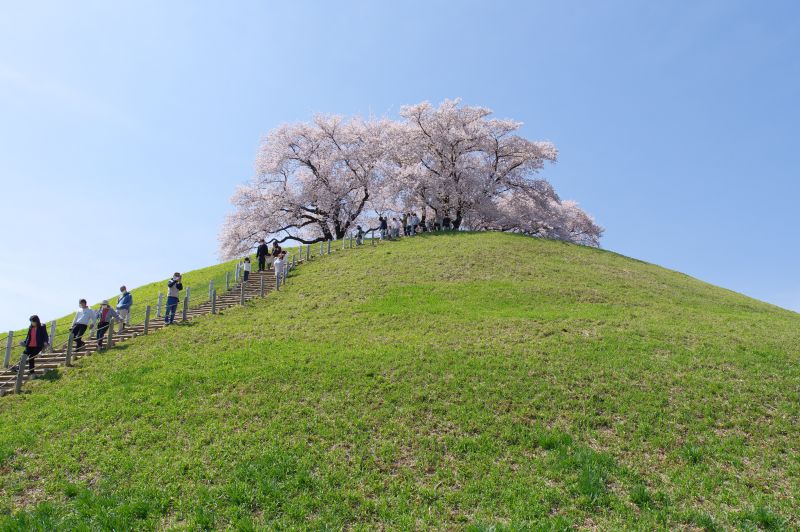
(461, 380)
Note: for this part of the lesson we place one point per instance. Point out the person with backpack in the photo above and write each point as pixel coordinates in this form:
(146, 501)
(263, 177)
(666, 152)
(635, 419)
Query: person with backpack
(84, 317)
(105, 319)
(36, 340)
(261, 253)
(174, 288)
(124, 304)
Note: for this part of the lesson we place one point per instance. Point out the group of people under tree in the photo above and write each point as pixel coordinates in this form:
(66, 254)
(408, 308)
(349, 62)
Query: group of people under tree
(410, 224)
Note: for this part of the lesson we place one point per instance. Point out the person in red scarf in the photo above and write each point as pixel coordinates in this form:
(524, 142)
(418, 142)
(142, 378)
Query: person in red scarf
(36, 340)
(104, 316)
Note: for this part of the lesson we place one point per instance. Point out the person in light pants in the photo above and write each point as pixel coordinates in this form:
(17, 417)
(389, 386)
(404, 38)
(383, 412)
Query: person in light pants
(280, 268)
(124, 307)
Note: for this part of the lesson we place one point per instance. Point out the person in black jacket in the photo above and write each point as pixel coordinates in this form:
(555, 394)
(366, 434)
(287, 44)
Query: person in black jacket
(261, 253)
(36, 340)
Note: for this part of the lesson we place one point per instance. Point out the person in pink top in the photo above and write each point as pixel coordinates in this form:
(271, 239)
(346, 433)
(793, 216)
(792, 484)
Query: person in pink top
(104, 317)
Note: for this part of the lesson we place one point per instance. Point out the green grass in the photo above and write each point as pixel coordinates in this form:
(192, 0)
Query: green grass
(478, 381)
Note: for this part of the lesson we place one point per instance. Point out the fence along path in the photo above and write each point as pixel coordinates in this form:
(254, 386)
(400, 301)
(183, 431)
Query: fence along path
(221, 294)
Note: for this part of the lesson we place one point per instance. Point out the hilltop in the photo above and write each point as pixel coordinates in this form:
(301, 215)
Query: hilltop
(457, 380)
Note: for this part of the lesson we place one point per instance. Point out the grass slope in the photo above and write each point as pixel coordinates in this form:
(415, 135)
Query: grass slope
(462, 380)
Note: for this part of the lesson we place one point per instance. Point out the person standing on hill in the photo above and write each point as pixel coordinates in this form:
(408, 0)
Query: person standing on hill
(105, 319)
(384, 226)
(83, 318)
(246, 268)
(359, 235)
(261, 254)
(174, 288)
(124, 307)
(276, 251)
(36, 340)
(279, 270)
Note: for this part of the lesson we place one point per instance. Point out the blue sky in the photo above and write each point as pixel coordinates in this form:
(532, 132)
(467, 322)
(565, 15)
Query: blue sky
(125, 126)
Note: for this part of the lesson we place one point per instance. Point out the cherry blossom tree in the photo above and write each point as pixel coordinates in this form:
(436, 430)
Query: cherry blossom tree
(453, 158)
(315, 181)
(312, 183)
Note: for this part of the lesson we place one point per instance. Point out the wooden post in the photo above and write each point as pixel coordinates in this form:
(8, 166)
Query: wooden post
(214, 302)
(147, 319)
(351, 241)
(372, 237)
(262, 286)
(186, 303)
(20, 373)
(68, 357)
(344, 239)
(160, 301)
(329, 247)
(110, 334)
(241, 294)
(308, 252)
(294, 260)
(227, 281)
(52, 334)
(210, 288)
(9, 346)
(320, 248)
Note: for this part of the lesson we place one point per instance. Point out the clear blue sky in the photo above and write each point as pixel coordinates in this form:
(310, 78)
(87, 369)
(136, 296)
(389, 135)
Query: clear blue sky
(124, 126)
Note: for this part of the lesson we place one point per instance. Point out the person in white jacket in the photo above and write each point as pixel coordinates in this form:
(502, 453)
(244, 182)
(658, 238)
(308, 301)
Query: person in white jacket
(83, 318)
(280, 271)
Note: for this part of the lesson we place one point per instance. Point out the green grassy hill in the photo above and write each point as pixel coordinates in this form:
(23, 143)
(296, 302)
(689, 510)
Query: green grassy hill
(448, 381)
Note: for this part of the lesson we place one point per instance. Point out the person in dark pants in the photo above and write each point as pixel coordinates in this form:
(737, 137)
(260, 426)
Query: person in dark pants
(83, 318)
(246, 268)
(36, 340)
(104, 316)
(261, 253)
(174, 287)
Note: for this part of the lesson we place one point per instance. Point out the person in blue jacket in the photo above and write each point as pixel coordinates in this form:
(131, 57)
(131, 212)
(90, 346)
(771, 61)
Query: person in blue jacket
(36, 340)
(124, 304)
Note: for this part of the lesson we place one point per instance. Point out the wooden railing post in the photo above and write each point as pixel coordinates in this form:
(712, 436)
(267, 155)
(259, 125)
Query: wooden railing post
(214, 302)
(9, 346)
(110, 333)
(308, 252)
(320, 248)
(210, 288)
(160, 302)
(186, 303)
(262, 286)
(147, 319)
(329, 247)
(68, 356)
(227, 281)
(241, 293)
(20, 373)
(52, 334)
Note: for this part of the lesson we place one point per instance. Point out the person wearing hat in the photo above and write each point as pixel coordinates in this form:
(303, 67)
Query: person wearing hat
(104, 316)
(36, 340)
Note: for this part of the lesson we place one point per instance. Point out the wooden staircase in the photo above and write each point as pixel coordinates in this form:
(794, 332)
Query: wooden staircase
(57, 357)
